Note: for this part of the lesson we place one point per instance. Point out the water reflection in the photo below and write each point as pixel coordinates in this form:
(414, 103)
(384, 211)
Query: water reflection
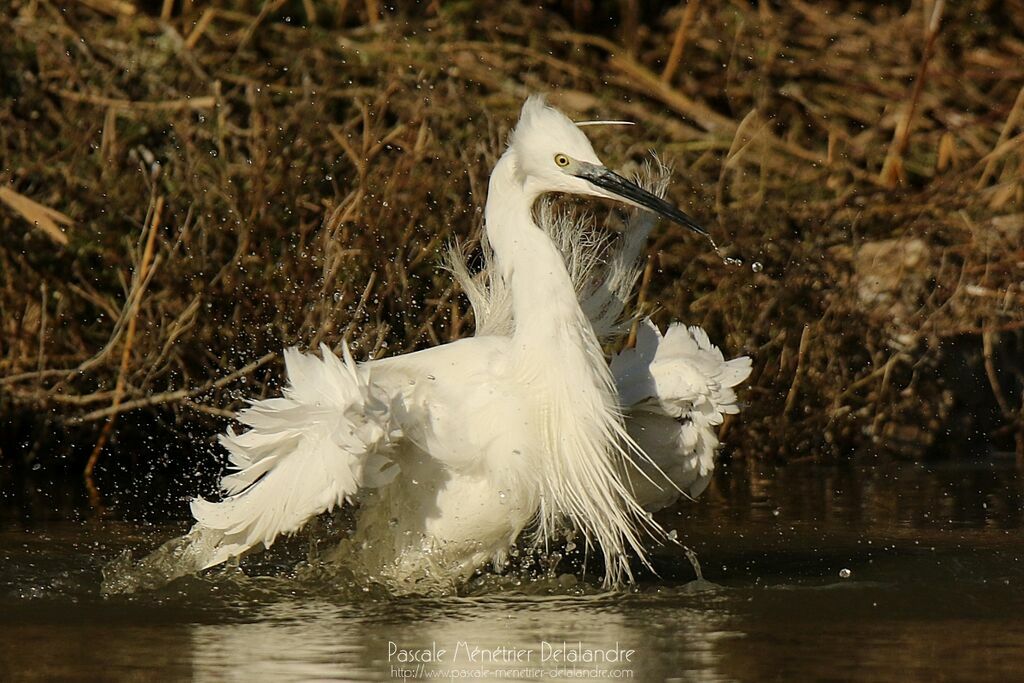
(509, 638)
(873, 492)
(935, 554)
(288, 640)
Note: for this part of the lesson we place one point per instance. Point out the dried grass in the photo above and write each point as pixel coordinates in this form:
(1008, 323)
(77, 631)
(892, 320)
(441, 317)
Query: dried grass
(314, 158)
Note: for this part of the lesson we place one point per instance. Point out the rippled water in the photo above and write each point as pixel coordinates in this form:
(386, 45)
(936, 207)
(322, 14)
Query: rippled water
(932, 560)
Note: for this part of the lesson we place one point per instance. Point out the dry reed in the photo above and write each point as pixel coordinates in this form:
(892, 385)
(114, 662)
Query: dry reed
(314, 158)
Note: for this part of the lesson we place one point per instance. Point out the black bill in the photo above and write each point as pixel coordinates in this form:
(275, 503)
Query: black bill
(630, 192)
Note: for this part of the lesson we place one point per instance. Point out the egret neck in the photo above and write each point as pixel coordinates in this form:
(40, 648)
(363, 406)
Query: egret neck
(559, 361)
(548, 318)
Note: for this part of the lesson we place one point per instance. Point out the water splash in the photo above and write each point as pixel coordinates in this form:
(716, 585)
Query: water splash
(727, 260)
(734, 261)
(694, 562)
(174, 559)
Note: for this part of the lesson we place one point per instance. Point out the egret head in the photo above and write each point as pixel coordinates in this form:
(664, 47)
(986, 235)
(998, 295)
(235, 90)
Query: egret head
(554, 155)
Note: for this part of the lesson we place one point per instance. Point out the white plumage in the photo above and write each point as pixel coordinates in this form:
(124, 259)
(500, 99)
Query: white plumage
(303, 454)
(676, 389)
(452, 452)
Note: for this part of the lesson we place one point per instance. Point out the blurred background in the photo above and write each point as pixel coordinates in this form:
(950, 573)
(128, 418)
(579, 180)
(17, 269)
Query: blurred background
(188, 187)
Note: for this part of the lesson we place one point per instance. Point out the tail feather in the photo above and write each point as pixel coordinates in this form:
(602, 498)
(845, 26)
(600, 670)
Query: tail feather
(303, 454)
(676, 389)
(682, 372)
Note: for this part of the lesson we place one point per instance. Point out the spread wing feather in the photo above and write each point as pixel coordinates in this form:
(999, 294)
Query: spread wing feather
(305, 453)
(676, 389)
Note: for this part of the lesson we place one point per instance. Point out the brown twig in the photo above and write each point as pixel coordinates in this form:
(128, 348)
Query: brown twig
(43, 217)
(266, 9)
(112, 7)
(993, 376)
(200, 28)
(1011, 122)
(134, 305)
(41, 353)
(645, 284)
(794, 388)
(892, 169)
(373, 12)
(679, 40)
(205, 102)
(173, 396)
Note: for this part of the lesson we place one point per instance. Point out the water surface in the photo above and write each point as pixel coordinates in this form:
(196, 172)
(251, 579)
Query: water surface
(874, 571)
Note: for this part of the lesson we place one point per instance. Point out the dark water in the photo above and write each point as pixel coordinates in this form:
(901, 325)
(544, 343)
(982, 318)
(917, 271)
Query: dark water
(879, 571)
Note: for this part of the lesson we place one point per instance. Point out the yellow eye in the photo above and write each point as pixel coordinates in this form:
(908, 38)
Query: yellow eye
(562, 160)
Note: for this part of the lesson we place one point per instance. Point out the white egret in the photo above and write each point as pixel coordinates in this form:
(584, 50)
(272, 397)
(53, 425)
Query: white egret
(673, 389)
(452, 452)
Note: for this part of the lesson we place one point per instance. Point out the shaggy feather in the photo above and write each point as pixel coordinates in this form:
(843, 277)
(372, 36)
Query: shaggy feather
(305, 453)
(604, 272)
(525, 420)
(677, 388)
(558, 354)
(672, 390)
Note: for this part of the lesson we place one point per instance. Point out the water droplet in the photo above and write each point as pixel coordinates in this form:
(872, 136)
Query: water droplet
(733, 261)
(570, 546)
(776, 512)
(502, 496)
(757, 266)
(337, 297)
(673, 535)
(431, 378)
(845, 573)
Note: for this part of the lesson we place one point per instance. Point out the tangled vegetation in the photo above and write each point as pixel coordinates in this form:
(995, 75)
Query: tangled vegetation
(185, 190)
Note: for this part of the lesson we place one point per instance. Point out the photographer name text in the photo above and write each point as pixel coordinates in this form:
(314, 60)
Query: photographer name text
(561, 652)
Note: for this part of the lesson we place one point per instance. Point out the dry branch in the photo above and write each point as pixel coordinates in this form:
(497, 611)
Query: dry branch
(131, 311)
(314, 164)
(679, 40)
(892, 171)
(42, 217)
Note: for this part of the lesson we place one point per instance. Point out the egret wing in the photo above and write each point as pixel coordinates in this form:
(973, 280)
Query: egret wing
(675, 390)
(330, 435)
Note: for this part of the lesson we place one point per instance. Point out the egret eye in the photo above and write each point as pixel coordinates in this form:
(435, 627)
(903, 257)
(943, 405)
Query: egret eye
(562, 160)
